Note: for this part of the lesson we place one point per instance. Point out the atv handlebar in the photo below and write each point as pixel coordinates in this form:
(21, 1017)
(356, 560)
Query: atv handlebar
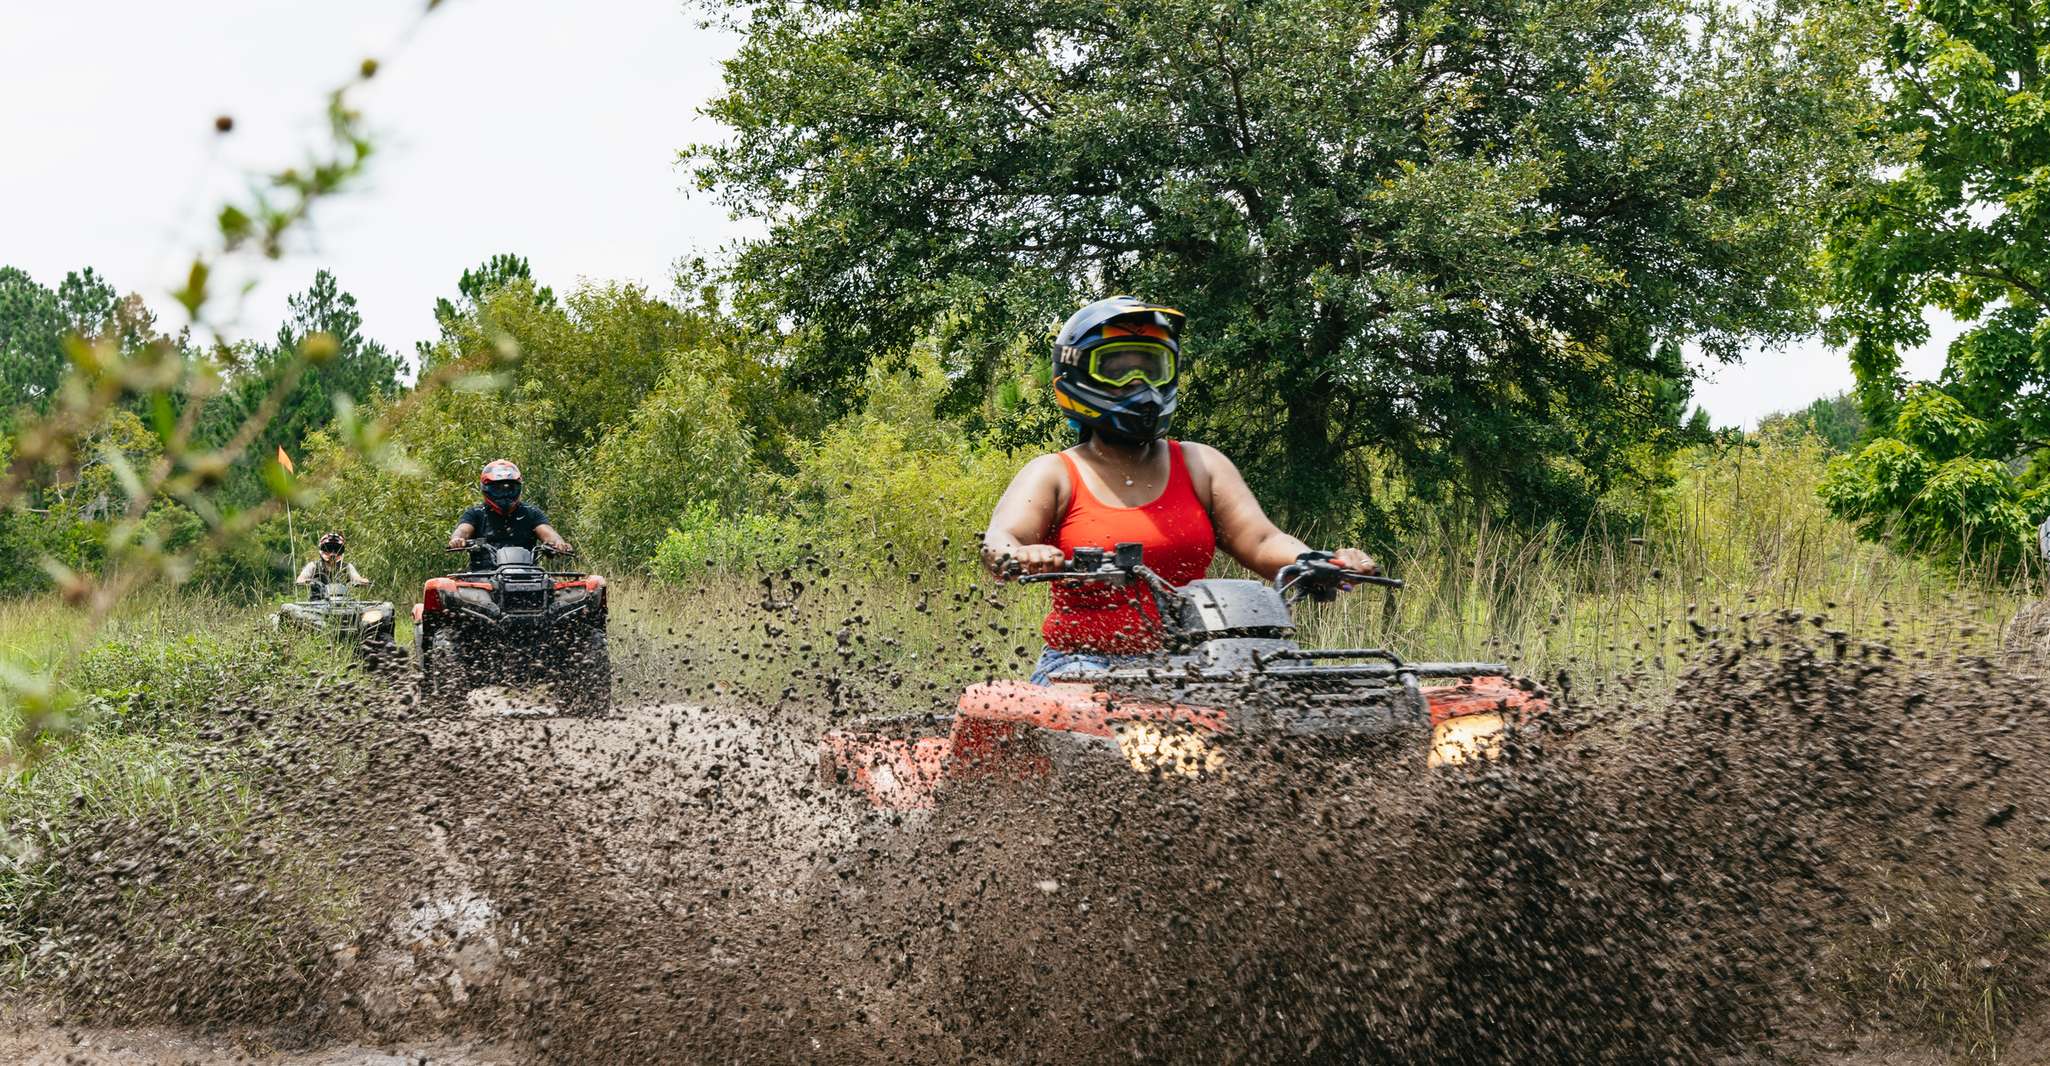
(1313, 574)
(543, 547)
(1118, 567)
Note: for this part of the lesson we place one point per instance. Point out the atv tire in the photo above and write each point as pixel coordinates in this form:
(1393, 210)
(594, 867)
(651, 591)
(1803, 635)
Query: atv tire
(587, 684)
(382, 656)
(444, 682)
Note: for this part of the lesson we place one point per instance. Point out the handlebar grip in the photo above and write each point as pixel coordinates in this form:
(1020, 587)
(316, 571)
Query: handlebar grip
(1358, 578)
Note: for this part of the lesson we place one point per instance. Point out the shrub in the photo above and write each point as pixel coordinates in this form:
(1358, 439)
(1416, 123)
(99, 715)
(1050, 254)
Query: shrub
(683, 446)
(130, 686)
(899, 476)
(703, 541)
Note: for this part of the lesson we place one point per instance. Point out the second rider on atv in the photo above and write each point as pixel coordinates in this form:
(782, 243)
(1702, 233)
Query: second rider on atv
(510, 619)
(1116, 367)
(329, 568)
(503, 520)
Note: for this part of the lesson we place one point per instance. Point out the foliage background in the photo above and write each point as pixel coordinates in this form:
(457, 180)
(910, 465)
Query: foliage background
(1442, 261)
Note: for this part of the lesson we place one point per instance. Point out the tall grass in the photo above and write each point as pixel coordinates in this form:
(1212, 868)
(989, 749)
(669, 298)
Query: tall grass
(126, 748)
(1739, 532)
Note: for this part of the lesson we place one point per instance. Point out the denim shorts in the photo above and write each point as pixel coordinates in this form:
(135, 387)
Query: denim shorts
(1053, 662)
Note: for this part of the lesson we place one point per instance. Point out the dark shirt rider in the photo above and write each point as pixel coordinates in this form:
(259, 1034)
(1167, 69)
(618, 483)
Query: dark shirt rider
(503, 520)
(518, 529)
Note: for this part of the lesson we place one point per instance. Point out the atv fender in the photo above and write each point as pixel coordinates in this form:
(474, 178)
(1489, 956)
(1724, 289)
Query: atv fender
(894, 772)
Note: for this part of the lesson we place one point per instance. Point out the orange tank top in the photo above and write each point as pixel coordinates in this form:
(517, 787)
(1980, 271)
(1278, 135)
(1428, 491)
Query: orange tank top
(1179, 541)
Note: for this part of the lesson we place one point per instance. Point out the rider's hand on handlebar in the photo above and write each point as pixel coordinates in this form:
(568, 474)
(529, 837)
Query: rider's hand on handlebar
(457, 544)
(1035, 559)
(1355, 560)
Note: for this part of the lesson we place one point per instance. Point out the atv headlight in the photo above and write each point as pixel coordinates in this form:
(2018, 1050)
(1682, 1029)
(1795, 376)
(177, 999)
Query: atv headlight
(1172, 750)
(1467, 738)
(371, 618)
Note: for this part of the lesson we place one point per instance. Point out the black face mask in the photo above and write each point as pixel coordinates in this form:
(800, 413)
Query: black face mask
(502, 494)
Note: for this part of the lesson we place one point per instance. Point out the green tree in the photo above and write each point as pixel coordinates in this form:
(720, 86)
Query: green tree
(344, 366)
(31, 343)
(1836, 420)
(1961, 224)
(479, 283)
(1929, 485)
(87, 302)
(494, 273)
(1465, 234)
(598, 353)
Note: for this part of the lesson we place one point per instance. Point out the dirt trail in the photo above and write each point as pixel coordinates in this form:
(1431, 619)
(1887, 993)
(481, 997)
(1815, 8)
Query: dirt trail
(1700, 880)
(35, 1042)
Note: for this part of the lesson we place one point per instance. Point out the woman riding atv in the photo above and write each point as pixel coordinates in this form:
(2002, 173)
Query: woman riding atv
(1116, 366)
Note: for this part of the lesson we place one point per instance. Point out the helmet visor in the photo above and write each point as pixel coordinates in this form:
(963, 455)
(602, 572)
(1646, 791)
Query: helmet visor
(1124, 362)
(502, 492)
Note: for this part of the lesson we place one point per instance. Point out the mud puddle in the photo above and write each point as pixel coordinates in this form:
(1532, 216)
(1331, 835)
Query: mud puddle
(36, 1042)
(1807, 851)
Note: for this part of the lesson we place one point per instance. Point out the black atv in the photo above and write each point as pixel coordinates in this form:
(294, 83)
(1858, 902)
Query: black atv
(508, 620)
(333, 610)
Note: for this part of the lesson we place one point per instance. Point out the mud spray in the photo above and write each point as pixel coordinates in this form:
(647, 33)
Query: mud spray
(1732, 874)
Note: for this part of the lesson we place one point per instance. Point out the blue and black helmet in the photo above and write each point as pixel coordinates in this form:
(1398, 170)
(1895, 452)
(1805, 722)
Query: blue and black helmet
(1116, 364)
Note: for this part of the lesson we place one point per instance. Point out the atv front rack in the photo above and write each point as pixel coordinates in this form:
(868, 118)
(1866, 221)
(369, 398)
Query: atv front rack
(1392, 666)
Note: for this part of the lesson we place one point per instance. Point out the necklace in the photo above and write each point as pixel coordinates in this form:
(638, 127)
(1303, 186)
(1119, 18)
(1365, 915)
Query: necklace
(1144, 457)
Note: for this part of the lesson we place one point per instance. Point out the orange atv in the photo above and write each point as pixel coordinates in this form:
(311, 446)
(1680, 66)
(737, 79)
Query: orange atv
(1231, 671)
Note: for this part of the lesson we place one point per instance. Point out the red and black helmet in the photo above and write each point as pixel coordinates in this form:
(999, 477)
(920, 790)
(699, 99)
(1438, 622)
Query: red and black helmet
(501, 484)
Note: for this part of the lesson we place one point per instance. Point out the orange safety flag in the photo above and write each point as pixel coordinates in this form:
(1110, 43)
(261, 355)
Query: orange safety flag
(286, 461)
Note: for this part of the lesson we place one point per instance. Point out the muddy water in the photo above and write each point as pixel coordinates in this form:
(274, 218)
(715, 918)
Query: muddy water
(1738, 873)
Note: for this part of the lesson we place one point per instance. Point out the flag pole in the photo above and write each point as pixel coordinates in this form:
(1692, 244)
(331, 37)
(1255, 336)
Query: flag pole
(291, 534)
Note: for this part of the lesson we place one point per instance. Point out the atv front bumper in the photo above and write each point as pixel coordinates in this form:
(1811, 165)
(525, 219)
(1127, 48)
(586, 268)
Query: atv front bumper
(1023, 731)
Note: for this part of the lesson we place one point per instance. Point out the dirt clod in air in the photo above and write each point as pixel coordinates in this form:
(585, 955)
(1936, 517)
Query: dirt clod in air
(1809, 844)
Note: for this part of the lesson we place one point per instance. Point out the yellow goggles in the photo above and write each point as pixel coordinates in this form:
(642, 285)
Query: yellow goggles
(1124, 362)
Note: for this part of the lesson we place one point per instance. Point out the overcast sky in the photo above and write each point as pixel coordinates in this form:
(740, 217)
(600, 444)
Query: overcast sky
(542, 127)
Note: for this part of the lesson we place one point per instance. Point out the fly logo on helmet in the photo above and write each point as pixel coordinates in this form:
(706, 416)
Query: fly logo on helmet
(1116, 365)
(501, 484)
